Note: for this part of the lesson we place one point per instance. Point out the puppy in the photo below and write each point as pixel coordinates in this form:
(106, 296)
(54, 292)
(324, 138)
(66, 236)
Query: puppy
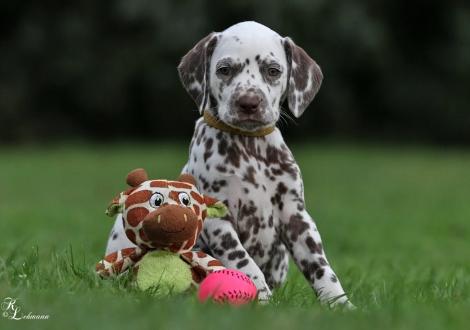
(239, 78)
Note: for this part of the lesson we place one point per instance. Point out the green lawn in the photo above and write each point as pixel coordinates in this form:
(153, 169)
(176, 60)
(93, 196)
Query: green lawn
(395, 222)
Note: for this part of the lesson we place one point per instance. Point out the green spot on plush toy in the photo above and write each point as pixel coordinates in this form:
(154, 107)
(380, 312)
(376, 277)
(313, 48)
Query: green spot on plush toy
(163, 219)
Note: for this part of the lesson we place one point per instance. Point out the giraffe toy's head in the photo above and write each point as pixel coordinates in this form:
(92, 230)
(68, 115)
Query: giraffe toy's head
(163, 214)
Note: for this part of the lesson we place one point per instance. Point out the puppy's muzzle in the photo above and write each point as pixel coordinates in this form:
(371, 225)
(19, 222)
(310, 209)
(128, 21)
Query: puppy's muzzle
(248, 103)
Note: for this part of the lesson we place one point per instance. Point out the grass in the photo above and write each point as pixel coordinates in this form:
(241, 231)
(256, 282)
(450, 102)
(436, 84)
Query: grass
(395, 222)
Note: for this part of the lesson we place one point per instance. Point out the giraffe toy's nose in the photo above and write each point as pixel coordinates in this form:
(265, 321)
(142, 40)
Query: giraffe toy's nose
(170, 223)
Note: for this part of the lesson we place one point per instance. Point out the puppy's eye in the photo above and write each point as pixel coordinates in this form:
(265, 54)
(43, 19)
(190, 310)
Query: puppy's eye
(156, 200)
(224, 71)
(184, 199)
(274, 72)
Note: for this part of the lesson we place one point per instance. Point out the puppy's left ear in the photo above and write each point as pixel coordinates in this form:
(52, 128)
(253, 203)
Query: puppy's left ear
(194, 70)
(304, 78)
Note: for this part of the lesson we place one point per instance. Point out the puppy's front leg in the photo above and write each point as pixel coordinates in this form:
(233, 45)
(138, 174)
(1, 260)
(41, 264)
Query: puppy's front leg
(303, 241)
(221, 239)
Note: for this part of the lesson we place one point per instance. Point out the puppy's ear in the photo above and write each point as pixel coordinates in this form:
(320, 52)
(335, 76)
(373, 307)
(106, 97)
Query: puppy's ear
(304, 78)
(194, 70)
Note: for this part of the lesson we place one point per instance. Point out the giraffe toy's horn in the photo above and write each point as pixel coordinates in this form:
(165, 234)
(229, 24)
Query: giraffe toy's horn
(187, 178)
(136, 177)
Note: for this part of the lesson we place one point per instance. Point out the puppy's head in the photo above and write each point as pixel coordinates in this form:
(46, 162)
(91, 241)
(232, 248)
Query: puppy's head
(243, 74)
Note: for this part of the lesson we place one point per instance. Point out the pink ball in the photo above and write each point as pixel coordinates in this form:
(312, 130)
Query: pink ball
(227, 285)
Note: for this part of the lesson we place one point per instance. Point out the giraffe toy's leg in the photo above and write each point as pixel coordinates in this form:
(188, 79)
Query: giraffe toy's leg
(201, 265)
(118, 262)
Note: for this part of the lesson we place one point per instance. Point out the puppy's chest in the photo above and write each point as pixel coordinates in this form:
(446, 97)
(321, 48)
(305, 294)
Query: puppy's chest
(244, 172)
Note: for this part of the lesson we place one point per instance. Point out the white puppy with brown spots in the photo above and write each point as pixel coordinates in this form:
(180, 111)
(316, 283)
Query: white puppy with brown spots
(239, 78)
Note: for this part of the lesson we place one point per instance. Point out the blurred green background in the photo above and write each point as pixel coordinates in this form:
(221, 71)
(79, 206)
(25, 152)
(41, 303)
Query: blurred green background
(101, 70)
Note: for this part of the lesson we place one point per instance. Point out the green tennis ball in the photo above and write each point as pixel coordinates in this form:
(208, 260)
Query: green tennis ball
(165, 272)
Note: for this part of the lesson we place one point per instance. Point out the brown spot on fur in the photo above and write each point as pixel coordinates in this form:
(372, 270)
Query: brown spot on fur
(309, 269)
(201, 254)
(242, 263)
(228, 242)
(138, 197)
(313, 246)
(131, 235)
(256, 249)
(248, 210)
(180, 185)
(236, 255)
(243, 236)
(214, 263)
(208, 149)
(319, 273)
(221, 168)
(322, 261)
(218, 184)
(197, 197)
(174, 196)
(159, 184)
(296, 226)
(222, 147)
(136, 215)
(127, 252)
(249, 176)
(112, 257)
(198, 274)
(233, 155)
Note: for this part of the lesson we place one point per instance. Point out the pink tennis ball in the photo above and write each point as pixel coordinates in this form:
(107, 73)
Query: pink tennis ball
(227, 285)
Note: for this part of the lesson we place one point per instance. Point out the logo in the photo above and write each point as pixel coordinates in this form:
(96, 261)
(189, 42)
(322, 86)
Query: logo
(11, 310)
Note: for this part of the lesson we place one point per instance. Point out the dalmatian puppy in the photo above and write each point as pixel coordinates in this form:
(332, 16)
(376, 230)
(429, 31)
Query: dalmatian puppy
(239, 78)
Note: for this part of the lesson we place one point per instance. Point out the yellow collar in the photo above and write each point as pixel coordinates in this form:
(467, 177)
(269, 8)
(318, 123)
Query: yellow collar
(214, 122)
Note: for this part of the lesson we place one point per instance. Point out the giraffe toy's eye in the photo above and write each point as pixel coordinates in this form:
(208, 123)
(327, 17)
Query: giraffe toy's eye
(184, 199)
(156, 200)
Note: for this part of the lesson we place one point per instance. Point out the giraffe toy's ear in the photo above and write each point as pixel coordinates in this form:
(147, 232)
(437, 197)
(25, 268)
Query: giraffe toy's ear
(215, 208)
(117, 204)
(136, 177)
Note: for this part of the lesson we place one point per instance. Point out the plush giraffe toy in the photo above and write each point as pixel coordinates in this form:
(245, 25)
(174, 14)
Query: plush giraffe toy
(163, 218)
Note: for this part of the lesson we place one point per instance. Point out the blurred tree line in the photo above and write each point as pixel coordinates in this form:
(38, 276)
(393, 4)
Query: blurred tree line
(107, 69)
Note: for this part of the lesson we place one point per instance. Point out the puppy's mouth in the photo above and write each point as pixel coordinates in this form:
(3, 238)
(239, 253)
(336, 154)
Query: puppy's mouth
(248, 123)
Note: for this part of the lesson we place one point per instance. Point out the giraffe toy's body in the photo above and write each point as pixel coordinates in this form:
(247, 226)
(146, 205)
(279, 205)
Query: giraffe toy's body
(161, 215)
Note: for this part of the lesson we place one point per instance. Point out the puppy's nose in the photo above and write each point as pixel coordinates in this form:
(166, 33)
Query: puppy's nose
(249, 103)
